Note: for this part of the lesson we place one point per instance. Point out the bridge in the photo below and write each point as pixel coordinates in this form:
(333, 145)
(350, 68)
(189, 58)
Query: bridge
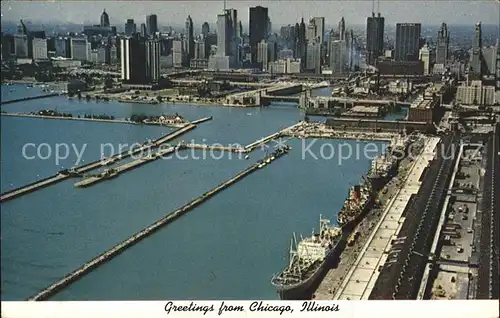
(263, 96)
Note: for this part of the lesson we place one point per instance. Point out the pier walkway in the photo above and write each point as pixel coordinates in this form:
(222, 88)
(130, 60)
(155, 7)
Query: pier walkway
(359, 281)
(119, 121)
(90, 166)
(121, 247)
(27, 98)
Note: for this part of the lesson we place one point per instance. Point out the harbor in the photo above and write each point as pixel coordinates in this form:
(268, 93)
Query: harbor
(78, 171)
(121, 247)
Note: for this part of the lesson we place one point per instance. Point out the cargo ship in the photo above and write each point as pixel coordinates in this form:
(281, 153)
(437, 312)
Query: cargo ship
(359, 201)
(384, 168)
(309, 260)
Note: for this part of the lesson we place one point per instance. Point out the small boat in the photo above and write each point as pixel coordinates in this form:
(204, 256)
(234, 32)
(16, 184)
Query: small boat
(247, 157)
(249, 114)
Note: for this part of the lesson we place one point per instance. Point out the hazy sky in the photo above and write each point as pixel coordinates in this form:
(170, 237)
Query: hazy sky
(281, 12)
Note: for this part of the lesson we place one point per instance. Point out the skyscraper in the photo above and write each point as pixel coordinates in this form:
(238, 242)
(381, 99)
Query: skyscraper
(144, 31)
(258, 28)
(151, 24)
(476, 58)
(337, 56)
(342, 29)
(319, 22)
(152, 61)
(313, 56)
(266, 53)
(442, 44)
(104, 19)
(205, 29)
(130, 27)
(407, 41)
(374, 37)
(424, 56)
(140, 60)
(189, 38)
(133, 60)
(223, 34)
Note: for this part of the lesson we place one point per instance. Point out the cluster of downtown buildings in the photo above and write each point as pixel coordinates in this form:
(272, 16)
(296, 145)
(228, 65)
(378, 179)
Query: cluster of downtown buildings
(141, 51)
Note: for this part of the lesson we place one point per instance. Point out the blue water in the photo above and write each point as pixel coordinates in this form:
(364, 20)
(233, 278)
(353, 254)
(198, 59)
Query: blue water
(229, 247)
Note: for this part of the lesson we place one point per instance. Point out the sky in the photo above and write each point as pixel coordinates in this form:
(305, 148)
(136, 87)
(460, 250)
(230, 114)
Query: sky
(174, 13)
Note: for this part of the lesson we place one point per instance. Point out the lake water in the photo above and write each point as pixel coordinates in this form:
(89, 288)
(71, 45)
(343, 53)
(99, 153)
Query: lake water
(227, 248)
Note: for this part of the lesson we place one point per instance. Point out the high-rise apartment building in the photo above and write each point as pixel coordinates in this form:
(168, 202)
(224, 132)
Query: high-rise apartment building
(407, 41)
(39, 49)
(79, 49)
(140, 60)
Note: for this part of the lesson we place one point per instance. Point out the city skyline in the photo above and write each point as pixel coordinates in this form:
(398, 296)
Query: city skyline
(174, 13)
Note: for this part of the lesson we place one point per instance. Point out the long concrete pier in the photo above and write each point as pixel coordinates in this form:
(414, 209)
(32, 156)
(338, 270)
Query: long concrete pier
(90, 166)
(125, 167)
(119, 121)
(28, 98)
(121, 247)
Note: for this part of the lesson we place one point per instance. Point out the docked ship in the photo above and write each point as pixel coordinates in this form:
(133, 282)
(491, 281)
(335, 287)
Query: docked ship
(384, 168)
(308, 261)
(359, 201)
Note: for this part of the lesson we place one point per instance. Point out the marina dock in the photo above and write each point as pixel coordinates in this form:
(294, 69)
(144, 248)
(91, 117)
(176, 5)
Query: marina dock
(121, 247)
(78, 171)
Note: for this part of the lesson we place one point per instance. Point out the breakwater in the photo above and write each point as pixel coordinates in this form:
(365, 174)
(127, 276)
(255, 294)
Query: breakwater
(137, 237)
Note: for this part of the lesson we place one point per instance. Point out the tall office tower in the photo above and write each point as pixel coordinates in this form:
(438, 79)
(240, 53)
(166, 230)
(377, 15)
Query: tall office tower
(319, 22)
(342, 29)
(424, 56)
(79, 49)
(374, 37)
(223, 35)
(152, 61)
(313, 57)
(442, 44)
(151, 24)
(133, 60)
(407, 41)
(240, 29)
(130, 27)
(266, 53)
(350, 50)
(234, 40)
(205, 29)
(498, 65)
(144, 30)
(39, 49)
(178, 53)
(104, 19)
(476, 58)
(269, 28)
(189, 38)
(63, 47)
(258, 28)
(337, 56)
(311, 32)
(200, 49)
